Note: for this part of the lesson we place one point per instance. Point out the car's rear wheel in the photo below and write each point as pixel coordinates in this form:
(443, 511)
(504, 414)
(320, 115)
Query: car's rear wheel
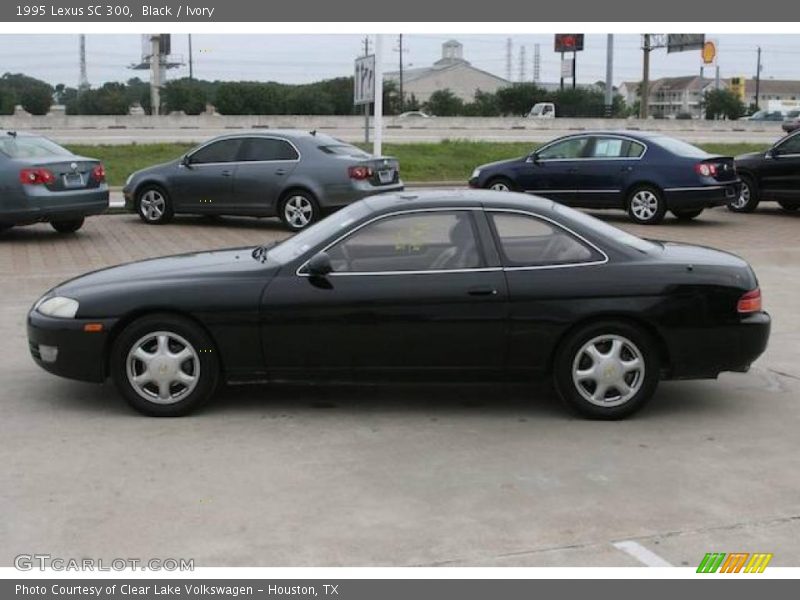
(686, 214)
(298, 209)
(789, 205)
(748, 199)
(500, 184)
(153, 205)
(67, 226)
(646, 205)
(164, 365)
(607, 370)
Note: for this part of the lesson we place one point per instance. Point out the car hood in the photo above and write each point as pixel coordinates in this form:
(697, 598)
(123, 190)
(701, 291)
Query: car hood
(502, 163)
(178, 270)
(750, 156)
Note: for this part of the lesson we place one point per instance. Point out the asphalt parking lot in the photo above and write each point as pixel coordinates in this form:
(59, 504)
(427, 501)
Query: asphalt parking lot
(397, 476)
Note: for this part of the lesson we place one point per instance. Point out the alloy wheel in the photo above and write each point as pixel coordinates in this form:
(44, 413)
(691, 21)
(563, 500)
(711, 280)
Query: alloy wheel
(644, 205)
(152, 205)
(162, 367)
(499, 186)
(743, 199)
(298, 211)
(608, 370)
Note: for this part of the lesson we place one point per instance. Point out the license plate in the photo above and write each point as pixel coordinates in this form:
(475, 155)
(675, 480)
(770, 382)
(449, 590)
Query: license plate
(72, 180)
(386, 176)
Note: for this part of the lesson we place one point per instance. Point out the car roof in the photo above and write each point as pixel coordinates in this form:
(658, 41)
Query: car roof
(267, 132)
(11, 132)
(455, 198)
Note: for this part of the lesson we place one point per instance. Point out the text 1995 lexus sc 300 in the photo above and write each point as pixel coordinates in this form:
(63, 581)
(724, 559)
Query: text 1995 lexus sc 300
(461, 285)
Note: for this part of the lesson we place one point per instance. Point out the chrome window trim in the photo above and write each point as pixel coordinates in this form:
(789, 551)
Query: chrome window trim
(560, 226)
(244, 137)
(394, 214)
(572, 191)
(589, 158)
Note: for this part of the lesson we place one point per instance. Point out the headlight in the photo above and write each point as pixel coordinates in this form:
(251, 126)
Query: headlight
(58, 306)
(475, 174)
(128, 180)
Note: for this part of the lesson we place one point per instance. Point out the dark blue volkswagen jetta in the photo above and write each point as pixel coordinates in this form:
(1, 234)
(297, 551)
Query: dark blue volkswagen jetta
(643, 173)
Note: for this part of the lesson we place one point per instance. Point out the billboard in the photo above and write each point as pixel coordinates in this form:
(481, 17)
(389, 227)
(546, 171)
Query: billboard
(681, 42)
(364, 80)
(569, 42)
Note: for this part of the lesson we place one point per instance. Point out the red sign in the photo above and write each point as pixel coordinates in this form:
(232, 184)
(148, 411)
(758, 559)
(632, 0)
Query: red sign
(569, 42)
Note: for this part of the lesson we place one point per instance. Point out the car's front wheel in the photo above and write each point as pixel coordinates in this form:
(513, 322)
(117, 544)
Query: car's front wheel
(164, 365)
(153, 205)
(298, 210)
(686, 214)
(607, 370)
(646, 205)
(747, 200)
(67, 226)
(500, 184)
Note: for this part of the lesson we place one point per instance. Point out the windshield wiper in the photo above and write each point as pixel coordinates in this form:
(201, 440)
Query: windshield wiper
(261, 252)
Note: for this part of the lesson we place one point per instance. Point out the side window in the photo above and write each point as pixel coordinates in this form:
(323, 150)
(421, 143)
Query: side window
(571, 148)
(263, 149)
(425, 241)
(217, 152)
(790, 146)
(526, 241)
(616, 148)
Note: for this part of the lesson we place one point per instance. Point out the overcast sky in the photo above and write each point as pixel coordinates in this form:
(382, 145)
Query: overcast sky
(304, 58)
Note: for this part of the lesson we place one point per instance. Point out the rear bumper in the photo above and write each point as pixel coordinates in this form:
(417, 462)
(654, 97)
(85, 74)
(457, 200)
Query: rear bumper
(61, 346)
(702, 196)
(42, 205)
(724, 348)
(341, 195)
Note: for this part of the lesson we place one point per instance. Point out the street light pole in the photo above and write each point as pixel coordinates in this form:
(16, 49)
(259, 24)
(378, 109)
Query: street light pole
(644, 89)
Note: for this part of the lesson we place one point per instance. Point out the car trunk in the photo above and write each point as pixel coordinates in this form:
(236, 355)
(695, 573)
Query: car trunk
(725, 169)
(70, 173)
(385, 170)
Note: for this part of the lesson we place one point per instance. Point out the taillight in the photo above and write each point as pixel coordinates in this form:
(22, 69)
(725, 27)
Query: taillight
(359, 172)
(99, 173)
(36, 176)
(750, 302)
(705, 169)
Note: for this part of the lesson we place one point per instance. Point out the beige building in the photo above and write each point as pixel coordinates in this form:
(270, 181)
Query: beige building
(451, 72)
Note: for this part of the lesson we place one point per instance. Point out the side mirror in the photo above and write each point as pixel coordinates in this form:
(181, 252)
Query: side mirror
(186, 161)
(320, 265)
(533, 158)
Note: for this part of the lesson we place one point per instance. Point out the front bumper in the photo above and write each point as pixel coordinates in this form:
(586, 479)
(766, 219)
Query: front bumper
(39, 204)
(702, 196)
(78, 354)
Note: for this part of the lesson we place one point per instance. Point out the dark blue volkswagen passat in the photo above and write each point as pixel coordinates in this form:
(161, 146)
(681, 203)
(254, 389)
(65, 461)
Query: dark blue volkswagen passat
(643, 173)
(437, 285)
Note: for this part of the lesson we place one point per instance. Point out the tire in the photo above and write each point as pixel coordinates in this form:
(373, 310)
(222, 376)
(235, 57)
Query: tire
(646, 205)
(153, 205)
(748, 199)
(789, 205)
(575, 381)
(686, 214)
(298, 209)
(500, 184)
(179, 386)
(5, 226)
(69, 226)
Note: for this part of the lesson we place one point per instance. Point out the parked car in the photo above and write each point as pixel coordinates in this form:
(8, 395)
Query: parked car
(454, 285)
(414, 114)
(44, 182)
(771, 175)
(542, 110)
(792, 121)
(643, 173)
(294, 175)
(766, 115)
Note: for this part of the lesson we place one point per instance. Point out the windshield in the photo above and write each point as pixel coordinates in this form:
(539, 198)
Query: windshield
(312, 237)
(603, 229)
(15, 146)
(680, 147)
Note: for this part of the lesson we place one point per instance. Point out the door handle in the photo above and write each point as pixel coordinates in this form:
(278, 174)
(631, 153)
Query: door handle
(572, 171)
(226, 173)
(482, 291)
(280, 171)
(627, 169)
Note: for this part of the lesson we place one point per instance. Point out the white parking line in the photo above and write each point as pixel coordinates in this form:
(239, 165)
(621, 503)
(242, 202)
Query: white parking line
(642, 554)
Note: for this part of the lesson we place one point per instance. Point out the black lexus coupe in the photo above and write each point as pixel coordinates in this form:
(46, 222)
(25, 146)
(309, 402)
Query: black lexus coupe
(454, 285)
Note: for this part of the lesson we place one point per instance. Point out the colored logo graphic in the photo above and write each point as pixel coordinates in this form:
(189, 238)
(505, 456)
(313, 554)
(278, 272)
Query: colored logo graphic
(735, 562)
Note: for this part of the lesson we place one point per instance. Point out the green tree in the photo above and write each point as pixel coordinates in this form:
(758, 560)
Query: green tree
(484, 105)
(185, 94)
(34, 95)
(444, 103)
(517, 99)
(722, 103)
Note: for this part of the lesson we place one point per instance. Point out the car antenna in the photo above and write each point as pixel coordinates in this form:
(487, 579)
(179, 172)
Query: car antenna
(12, 133)
(314, 132)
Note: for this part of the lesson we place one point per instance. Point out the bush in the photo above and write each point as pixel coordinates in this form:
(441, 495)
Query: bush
(34, 95)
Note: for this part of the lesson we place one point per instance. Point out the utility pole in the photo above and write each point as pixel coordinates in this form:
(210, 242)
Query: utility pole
(191, 62)
(508, 58)
(758, 76)
(400, 43)
(155, 74)
(561, 84)
(537, 63)
(366, 104)
(377, 144)
(574, 68)
(644, 89)
(522, 64)
(84, 79)
(609, 74)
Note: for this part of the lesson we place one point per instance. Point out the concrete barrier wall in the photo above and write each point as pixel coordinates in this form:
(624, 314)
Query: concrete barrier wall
(322, 123)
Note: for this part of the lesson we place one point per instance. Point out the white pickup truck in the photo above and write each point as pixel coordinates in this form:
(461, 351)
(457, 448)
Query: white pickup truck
(542, 110)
